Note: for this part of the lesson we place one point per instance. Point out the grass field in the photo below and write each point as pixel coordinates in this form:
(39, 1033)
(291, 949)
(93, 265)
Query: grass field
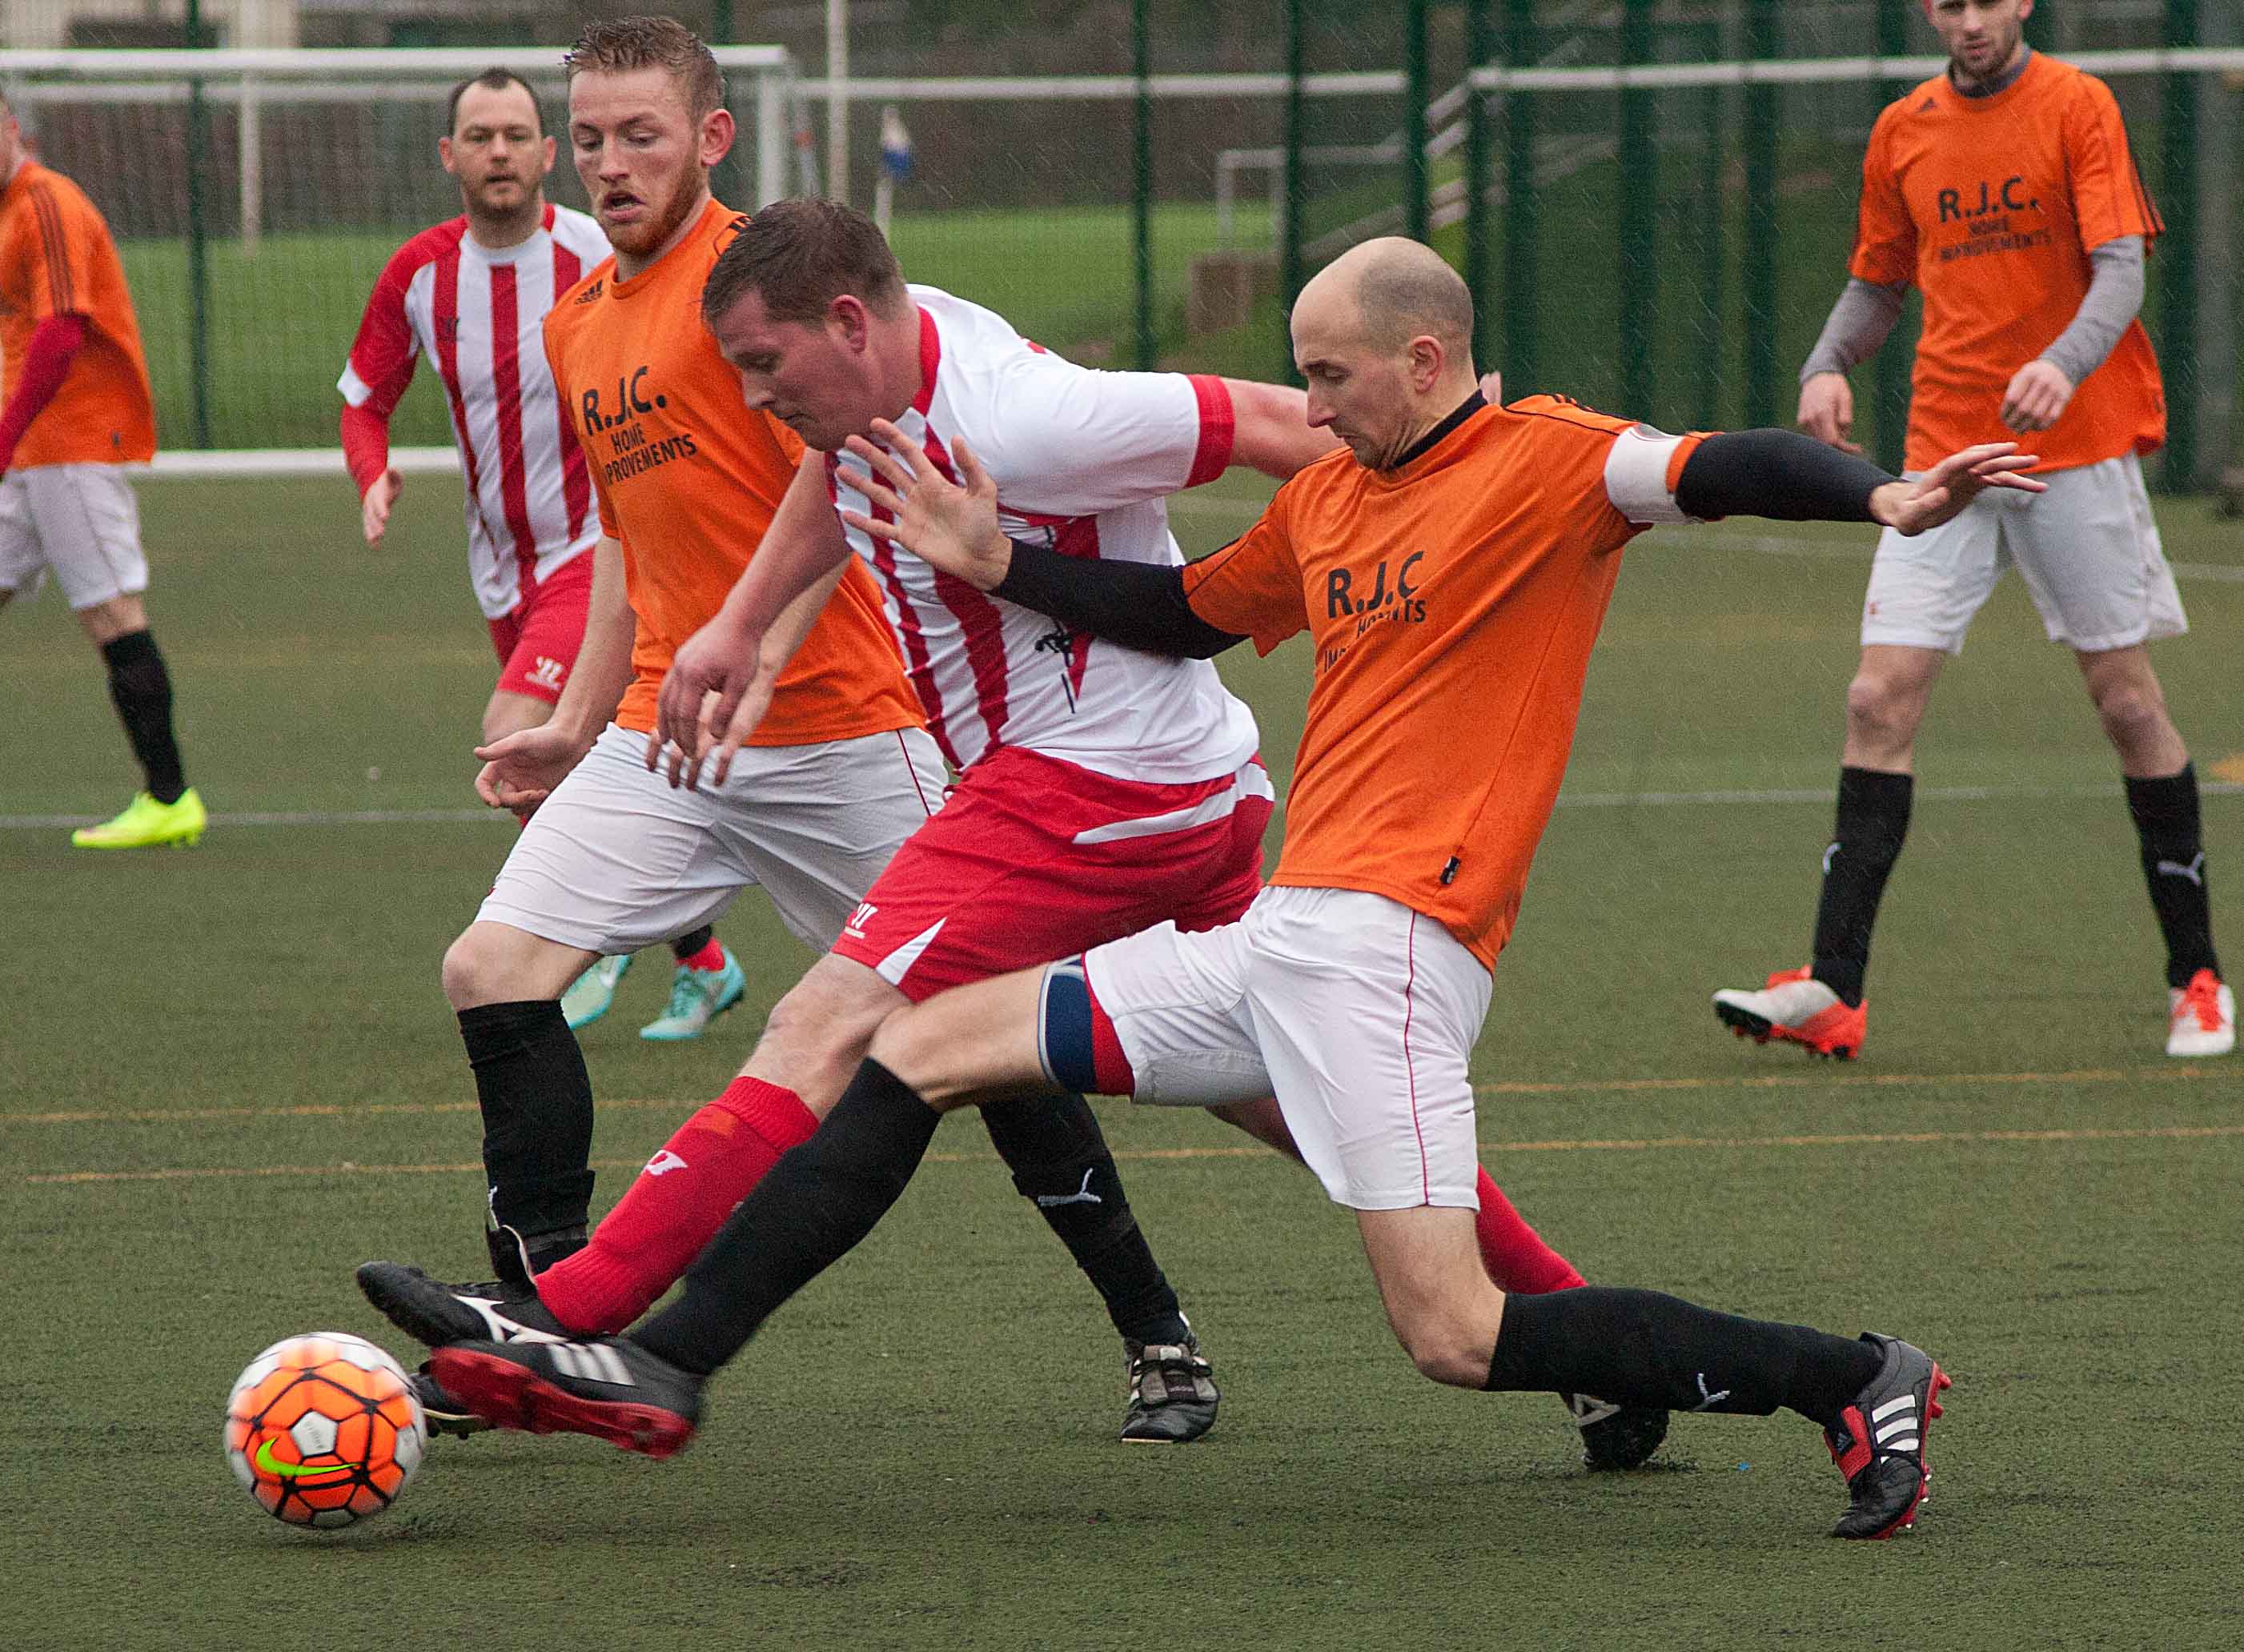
(228, 1076)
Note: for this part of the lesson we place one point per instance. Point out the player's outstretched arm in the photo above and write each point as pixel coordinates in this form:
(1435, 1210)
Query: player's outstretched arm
(954, 527)
(1792, 477)
(1270, 428)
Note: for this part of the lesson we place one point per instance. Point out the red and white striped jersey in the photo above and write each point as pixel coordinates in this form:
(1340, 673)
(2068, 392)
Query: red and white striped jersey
(1083, 461)
(480, 316)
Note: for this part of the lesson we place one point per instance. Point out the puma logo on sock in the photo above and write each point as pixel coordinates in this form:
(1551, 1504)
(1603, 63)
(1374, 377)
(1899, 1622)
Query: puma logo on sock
(1053, 1201)
(1708, 1401)
(2195, 871)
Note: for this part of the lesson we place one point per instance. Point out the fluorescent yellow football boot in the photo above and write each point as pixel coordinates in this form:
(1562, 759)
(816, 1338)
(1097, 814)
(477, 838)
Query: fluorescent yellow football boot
(147, 824)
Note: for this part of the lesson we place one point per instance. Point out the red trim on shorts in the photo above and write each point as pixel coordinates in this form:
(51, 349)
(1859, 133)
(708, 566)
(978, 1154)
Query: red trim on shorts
(1109, 1066)
(506, 388)
(912, 769)
(1219, 427)
(1410, 1073)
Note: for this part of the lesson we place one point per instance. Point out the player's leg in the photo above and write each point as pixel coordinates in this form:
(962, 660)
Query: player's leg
(643, 1392)
(613, 860)
(1923, 592)
(87, 524)
(2092, 557)
(1381, 1100)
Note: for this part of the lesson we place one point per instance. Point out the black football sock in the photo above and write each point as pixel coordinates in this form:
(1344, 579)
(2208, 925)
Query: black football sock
(1643, 1348)
(141, 690)
(2165, 811)
(537, 1104)
(1059, 1159)
(1873, 819)
(686, 946)
(806, 1215)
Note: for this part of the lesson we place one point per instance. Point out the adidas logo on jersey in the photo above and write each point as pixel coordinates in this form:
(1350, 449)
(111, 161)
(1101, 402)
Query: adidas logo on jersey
(592, 292)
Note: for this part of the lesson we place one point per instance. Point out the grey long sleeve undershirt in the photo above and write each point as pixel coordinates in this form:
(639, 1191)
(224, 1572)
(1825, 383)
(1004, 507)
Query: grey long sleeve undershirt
(1866, 313)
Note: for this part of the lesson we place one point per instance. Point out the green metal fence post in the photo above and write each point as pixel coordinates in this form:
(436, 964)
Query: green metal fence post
(1296, 191)
(2178, 253)
(1477, 251)
(1141, 195)
(1713, 215)
(1417, 202)
(197, 237)
(1890, 371)
(1522, 226)
(1638, 219)
(1762, 42)
(726, 176)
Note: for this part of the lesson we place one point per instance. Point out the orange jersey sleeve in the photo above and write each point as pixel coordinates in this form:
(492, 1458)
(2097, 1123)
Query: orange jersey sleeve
(688, 477)
(57, 258)
(2108, 197)
(1885, 236)
(1253, 586)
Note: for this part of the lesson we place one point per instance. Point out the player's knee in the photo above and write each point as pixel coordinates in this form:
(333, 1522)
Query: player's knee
(476, 972)
(1446, 1347)
(825, 1022)
(1883, 708)
(2133, 713)
(910, 1046)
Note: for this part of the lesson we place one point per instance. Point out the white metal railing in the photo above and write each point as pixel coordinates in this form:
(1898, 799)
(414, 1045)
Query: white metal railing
(253, 78)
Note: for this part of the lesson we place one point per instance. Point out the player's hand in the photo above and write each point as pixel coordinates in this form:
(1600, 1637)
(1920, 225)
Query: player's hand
(1826, 411)
(952, 526)
(2037, 397)
(520, 770)
(374, 509)
(702, 701)
(1909, 508)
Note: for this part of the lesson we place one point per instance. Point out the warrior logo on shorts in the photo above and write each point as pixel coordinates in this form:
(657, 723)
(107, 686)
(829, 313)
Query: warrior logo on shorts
(859, 919)
(548, 672)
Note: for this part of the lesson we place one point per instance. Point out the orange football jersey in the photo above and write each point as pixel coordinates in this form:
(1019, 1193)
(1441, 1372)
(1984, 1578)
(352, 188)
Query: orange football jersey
(1991, 205)
(57, 258)
(688, 476)
(1452, 601)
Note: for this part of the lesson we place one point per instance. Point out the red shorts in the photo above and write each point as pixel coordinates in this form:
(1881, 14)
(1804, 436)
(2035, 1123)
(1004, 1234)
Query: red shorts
(1032, 859)
(538, 642)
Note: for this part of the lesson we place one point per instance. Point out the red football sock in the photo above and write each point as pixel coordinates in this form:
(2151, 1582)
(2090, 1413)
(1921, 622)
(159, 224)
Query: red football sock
(710, 958)
(1513, 1253)
(675, 1206)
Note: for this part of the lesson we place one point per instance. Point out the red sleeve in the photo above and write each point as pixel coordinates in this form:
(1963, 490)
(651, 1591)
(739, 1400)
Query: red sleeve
(366, 445)
(382, 355)
(2108, 197)
(1885, 235)
(46, 359)
(1218, 425)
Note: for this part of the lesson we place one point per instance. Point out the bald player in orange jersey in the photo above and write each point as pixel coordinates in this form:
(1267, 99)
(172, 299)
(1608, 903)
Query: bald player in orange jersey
(841, 772)
(75, 409)
(2003, 190)
(1452, 569)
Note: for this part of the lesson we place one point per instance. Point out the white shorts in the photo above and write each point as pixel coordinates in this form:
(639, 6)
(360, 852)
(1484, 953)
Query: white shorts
(2087, 549)
(1358, 1014)
(617, 860)
(82, 521)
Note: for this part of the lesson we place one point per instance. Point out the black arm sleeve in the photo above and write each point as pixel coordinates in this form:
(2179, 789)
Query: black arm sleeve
(1140, 605)
(1781, 474)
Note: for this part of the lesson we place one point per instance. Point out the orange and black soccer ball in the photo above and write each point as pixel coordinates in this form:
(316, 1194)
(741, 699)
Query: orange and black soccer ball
(324, 1430)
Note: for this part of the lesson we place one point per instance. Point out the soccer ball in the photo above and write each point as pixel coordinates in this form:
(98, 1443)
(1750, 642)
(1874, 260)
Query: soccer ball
(324, 1430)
